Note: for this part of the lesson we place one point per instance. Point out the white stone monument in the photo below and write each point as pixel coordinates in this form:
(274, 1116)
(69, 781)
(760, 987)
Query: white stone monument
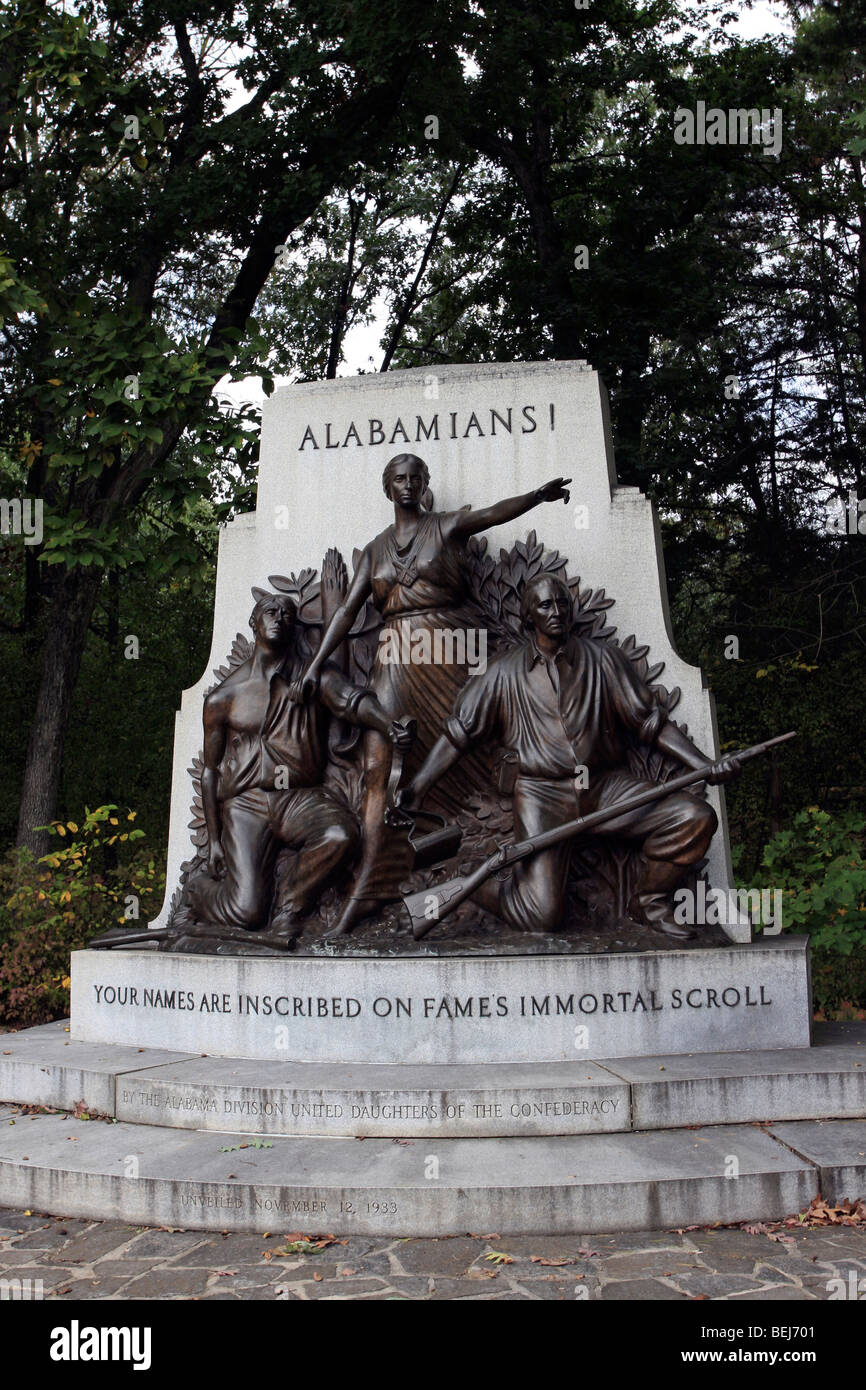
(486, 432)
(561, 1087)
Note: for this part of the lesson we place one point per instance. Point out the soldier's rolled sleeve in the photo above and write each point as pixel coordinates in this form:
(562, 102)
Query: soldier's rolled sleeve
(635, 702)
(339, 695)
(475, 711)
(454, 730)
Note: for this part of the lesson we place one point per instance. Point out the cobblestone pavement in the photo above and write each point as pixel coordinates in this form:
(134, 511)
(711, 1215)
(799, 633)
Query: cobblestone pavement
(77, 1259)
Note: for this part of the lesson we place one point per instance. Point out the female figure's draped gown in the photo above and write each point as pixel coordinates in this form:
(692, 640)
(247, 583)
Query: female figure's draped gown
(420, 588)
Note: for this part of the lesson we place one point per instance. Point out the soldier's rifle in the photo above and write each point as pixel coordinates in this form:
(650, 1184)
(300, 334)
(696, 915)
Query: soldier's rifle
(431, 905)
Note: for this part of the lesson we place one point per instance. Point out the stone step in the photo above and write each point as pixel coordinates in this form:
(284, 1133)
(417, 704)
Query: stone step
(828, 1079)
(44, 1066)
(837, 1148)
(155, 1175)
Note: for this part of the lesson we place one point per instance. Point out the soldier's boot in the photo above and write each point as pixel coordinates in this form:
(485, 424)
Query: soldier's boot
(651, 902)
(355, 910)
(285, 923)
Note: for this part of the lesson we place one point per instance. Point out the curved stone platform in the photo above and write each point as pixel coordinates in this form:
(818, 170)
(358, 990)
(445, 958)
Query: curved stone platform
(232, 1144)
(45, 1066)
(157, 1176)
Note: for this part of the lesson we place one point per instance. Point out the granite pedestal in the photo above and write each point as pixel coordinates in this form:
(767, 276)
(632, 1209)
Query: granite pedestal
(463, 1010)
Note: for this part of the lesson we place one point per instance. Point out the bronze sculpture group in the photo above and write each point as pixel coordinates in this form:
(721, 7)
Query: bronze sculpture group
(559, 709)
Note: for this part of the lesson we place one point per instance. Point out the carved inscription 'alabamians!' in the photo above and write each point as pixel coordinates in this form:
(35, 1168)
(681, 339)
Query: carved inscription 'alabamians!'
(440, 425)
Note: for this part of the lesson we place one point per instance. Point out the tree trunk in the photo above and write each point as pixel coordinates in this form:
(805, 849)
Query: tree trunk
(774, 796)
(110, 793)
(410, 298)
(65, 640)
(558, 296)
(344, 292)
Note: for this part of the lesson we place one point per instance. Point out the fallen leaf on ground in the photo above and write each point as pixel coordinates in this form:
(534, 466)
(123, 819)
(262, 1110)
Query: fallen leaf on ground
(306, 1245)
(819, 1212)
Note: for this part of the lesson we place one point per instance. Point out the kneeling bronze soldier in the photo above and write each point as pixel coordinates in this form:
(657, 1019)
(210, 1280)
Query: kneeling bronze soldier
(264, 758)
(565, 707)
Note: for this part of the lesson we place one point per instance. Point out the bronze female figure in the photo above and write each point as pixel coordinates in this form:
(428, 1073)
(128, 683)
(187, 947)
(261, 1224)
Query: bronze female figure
(415, 573)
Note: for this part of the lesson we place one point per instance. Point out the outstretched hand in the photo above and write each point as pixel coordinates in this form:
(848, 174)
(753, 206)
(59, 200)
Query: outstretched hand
(335, 577)
(554, 491)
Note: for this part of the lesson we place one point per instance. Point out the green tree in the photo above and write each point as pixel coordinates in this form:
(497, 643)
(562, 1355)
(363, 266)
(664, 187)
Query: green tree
(153, 158)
